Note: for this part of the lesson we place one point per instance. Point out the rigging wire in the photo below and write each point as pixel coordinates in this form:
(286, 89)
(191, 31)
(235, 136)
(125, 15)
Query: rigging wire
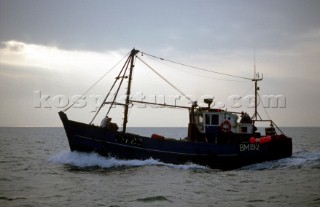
(197, 68)
(162, 77)
(196, 74)
(95, 83)
(117, 78)
(183, 94)
(263, 107)
(122, 78)
(246, 91)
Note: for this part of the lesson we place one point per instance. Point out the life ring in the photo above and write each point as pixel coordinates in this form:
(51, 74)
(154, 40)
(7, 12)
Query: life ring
(225, 126)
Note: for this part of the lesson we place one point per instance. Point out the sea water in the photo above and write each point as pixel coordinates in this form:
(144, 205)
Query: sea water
(38, 169)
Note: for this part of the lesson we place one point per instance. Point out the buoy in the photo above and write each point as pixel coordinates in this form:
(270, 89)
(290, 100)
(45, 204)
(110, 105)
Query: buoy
(265, 139)
(252, 140)
(157, 136)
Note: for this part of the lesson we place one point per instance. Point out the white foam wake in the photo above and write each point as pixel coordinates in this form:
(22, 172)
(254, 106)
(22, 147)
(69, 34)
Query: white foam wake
(83, 160)
(298, 160)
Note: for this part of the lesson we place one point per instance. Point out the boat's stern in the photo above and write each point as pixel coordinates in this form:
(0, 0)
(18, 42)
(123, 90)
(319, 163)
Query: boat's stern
(281, 146)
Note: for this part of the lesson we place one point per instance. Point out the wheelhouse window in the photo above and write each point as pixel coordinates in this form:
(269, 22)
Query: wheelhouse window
(200, 119)
(244, 129)
(208, 119)
(212, 119)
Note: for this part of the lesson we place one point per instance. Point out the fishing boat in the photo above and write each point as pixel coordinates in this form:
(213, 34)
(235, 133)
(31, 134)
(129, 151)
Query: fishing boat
(217, 138)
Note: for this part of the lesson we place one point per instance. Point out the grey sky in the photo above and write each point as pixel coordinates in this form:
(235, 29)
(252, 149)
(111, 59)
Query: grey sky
(152, 24)
(220, 35)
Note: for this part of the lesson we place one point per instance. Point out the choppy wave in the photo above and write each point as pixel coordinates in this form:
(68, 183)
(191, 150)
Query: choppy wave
(153, 199)
(302, 159)
(83, 160)
(13, 198)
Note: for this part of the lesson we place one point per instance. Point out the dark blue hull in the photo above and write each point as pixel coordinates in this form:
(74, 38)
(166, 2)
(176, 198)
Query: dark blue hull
(88, 138)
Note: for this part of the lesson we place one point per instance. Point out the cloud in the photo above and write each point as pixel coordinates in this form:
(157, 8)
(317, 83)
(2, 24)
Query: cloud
(26, 68)
(24, 55)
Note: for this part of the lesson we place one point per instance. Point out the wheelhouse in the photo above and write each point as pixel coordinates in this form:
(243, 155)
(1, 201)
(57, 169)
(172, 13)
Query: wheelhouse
(214, 123)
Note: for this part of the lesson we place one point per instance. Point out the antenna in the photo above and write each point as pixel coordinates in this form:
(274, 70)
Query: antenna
(254, 63)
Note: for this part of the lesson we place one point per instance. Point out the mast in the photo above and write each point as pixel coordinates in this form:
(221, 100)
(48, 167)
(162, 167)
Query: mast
(256, 88)
(126, 106)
